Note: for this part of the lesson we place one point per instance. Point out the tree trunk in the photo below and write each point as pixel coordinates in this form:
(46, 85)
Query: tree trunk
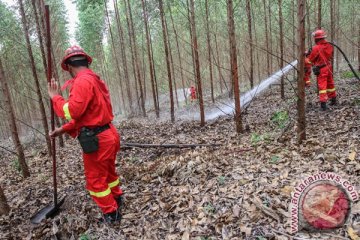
(301, 85)
(179, 55)
(4, 206)
(172, 112)
(38, 29)
(248, 13)
(191, 37)
(319, 15)
(123, 56)
(117, 67)
(332, 21)
(37, 82)
(172, 63)
(267, 40)
(281, 48)
(221, 77)
(358, 44)
(132, 55)
(137, 66)
(234, 65)
(308, 23)
(12, 122)
(209, 51)
(151, 63)
(197, 63)
(270, 35)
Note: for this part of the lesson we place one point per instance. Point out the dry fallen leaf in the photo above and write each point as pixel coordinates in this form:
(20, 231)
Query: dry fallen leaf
(352, 234)
(352, 156)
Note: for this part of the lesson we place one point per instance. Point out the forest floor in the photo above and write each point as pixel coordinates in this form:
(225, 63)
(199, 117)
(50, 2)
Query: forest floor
(239, 190)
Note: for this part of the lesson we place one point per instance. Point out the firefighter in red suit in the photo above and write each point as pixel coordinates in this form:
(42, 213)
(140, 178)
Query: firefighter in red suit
(193, 93)
(307, 70)
(321, 57)
(88, 110)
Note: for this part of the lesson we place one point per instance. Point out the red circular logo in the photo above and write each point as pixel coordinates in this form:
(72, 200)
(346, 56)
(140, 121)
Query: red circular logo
(324, 206)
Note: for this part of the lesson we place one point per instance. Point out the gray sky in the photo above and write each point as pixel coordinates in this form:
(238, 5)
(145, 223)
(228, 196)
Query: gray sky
(71, 11)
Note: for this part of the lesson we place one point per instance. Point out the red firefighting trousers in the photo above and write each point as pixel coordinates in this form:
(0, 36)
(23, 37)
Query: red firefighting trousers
(326, 84)
(101, 178)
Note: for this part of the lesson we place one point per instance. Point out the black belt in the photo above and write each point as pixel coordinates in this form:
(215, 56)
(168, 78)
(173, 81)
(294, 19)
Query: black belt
(100, 129)
(321, 66)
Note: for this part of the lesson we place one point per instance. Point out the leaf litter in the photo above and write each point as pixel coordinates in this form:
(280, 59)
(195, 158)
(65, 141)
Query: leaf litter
(239, 190)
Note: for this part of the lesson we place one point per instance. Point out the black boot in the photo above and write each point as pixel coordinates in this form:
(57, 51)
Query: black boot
(323, 106)
(120, 202)
(333, 101)
(112, 217)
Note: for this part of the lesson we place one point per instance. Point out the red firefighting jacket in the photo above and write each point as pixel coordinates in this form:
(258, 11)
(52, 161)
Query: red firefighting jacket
(322, 53)
(88, 104)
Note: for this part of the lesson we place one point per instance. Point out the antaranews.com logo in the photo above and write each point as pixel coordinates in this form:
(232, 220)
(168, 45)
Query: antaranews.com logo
(321, 201)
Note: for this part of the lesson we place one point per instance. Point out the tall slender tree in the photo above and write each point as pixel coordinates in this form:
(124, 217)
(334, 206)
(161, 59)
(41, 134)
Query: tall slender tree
(35, 75)
(249, 25)
(319, 15)
(281, 48)
(301, 85)
(208, 40)
(162, 16)
(12, 122)
(123, 56)
(151, 63)
(234, 65)
(137, 63)
(197, 63)
(115, 56)
(179, 55)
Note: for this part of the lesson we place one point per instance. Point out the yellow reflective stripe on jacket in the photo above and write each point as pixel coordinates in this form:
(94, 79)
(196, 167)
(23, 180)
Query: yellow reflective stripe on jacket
(322, 91)
(331, 90)
(114, 183)
(100, 194)
(66, 111)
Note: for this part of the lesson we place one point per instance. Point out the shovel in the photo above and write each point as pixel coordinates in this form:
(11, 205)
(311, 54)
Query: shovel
(53, 208)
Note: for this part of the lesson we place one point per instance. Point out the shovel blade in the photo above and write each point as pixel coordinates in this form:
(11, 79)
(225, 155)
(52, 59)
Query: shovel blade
(47, 212)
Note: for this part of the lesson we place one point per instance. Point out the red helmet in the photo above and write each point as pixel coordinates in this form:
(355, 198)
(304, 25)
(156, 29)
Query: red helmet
(71, 52)
(319, 34)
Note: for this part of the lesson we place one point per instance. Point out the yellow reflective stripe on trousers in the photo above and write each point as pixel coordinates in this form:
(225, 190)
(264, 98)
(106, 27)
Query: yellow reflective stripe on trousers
(322, 91)
(100, 194)
(331, 90)
(66, 111)
(114, 183)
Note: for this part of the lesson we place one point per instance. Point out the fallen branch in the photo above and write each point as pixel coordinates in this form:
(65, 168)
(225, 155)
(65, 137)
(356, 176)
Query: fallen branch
(148, 145)
(8, 150)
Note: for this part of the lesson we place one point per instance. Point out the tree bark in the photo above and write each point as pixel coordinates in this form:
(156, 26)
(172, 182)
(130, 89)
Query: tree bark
(172, 112)
(270, 36)
(38, 29)
(123, 56)
(8, 105)
(281, 48)
(267, 40)
(4, 206)
(209, 51)
(358, 44)
(172, 64)
(234, 65)
(301, 85)
(35, 75)
(197, 63)
(137, 66)
(179, 55)
(151, 64)
(319, 15)
(248, 13)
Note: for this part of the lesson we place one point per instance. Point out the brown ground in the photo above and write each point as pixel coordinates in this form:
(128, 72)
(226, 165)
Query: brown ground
(240, 190)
